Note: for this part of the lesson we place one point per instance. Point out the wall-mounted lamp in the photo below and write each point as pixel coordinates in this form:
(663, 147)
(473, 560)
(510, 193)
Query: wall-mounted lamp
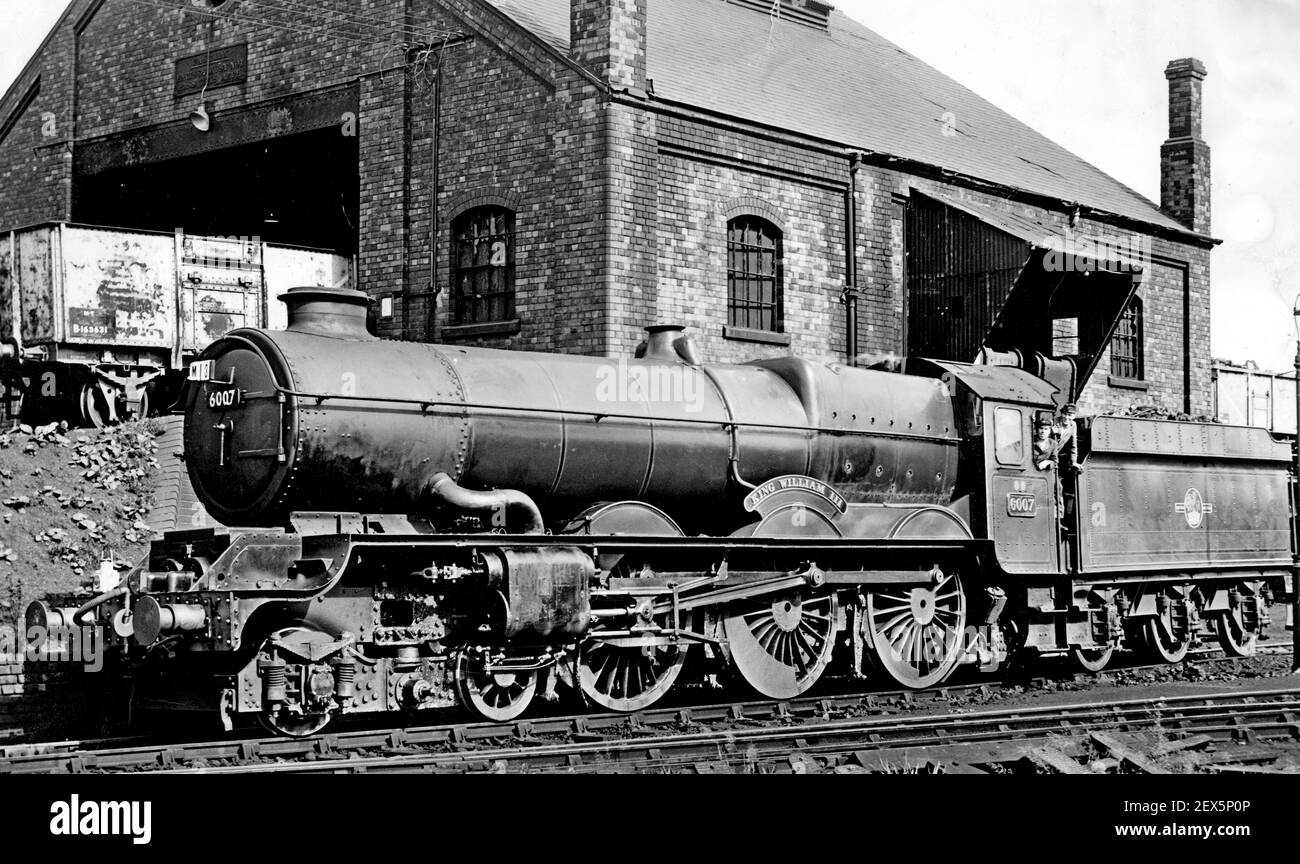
(199, 118)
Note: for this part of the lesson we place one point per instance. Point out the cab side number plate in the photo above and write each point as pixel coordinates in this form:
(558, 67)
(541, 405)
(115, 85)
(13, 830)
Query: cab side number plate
(1022, 504)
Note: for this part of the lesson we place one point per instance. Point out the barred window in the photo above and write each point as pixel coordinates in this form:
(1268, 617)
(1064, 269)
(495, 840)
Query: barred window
(483, 261)
(1126, 344)
(754, 274)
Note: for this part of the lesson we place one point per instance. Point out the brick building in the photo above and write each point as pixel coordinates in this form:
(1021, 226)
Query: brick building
(774, 175)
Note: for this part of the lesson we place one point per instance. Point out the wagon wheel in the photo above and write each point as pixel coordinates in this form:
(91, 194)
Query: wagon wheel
(782, 645)
(494, 696)
(1092, 659)
(1234, 638)
(629, 678)
(1159, 640)
(94, 406)
(916, 633)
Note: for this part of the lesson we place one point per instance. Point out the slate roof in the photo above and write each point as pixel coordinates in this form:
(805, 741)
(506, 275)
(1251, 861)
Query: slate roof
(850, 86)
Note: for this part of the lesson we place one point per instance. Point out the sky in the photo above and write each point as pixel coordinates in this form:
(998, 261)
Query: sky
(1090, 75)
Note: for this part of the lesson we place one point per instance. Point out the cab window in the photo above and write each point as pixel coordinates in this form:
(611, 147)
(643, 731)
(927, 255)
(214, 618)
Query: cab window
(1008, 436)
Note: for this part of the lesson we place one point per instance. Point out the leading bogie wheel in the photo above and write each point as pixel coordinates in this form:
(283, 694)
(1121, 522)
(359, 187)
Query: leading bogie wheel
(294, 725)
(916, 633)
(1092, 659)
(497, 696)
(305, 709)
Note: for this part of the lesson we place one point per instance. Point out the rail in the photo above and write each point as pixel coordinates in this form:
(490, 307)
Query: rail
(121, 754)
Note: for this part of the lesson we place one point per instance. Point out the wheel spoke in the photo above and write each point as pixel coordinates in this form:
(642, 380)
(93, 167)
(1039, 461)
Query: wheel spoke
(902, 615)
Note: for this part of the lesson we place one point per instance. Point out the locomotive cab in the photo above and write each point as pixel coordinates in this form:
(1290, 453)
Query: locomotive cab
(1010, 482)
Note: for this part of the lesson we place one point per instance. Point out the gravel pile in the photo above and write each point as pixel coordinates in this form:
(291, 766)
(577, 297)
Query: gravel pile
(70, 499)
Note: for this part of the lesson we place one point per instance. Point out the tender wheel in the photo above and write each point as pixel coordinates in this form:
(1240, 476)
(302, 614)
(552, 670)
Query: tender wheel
(782, 645)
(1234, 638)
(1092, 659)
(498, 697)
(916, 634)
(631, 677)
(1164, 644)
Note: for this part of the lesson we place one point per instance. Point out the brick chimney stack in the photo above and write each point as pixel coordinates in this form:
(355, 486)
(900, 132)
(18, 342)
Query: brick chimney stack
(608, 37)
(1185, 157)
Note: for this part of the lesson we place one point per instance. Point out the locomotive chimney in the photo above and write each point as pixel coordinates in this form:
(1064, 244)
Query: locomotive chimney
(336, 312)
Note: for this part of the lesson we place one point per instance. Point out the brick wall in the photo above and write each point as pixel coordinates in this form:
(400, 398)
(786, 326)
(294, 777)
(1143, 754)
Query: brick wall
(126, 57)
(35, 126)
(523, 131)
(709, 175)
(621, 204)
(50, 701)
(704, 169)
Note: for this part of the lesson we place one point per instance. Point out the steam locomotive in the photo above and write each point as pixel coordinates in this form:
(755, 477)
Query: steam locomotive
(421, 526)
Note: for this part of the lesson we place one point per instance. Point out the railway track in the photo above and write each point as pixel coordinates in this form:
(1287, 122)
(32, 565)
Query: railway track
(477, 739)
(782, 745)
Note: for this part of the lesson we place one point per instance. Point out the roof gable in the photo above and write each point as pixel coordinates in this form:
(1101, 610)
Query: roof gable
(851, 86)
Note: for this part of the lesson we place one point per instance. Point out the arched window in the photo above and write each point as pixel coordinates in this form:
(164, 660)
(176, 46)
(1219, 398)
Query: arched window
(1126, 344)
(754, 274)
(483, 265)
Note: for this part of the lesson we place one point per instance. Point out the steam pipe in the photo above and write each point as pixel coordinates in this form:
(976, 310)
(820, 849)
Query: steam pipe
(453, 494)
(851, 262)
(11, 344)
(1295, 511)
(435, 179)
(78, 617)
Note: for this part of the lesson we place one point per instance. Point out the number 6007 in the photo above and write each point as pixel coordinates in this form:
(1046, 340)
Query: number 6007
(221, 399)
